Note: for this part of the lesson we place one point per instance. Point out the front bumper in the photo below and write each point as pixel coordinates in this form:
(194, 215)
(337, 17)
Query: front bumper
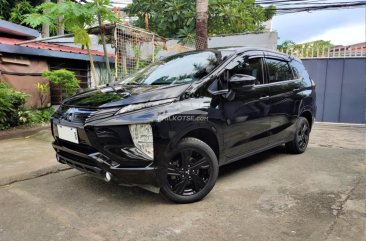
(98, 165)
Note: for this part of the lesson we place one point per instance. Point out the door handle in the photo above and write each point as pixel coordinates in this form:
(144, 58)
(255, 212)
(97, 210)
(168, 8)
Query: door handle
(264, 97)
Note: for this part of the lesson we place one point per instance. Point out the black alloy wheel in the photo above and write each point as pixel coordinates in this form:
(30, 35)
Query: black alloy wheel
(191, 172)
(301, 139)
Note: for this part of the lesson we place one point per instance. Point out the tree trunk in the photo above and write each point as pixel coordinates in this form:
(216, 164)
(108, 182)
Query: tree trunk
(106, 59)
(60, 25)
(92, 67)
(201, 23)
(45, 27)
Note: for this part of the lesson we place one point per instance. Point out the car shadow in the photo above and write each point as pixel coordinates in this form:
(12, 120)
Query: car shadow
(247, 162)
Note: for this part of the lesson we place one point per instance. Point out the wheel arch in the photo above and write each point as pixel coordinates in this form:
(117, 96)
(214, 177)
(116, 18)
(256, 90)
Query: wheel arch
(206, 134)
(208, 137)
(309, 116)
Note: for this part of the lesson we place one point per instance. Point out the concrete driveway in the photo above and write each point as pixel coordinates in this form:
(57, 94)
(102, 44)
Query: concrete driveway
(319, 195)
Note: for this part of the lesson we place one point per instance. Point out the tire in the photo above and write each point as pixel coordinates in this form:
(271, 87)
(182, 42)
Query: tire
(191, 172)
(301, 139)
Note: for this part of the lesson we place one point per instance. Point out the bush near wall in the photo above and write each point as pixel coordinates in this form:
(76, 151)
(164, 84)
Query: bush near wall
(11, 101)
(12, 112)
(65, 79)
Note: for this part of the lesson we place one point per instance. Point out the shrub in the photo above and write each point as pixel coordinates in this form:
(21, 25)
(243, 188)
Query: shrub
(36, 116)
(43, 91)
(10, 103)
(65, 79)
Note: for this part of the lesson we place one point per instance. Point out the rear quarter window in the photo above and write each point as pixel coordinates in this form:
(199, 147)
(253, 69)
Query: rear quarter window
(299, 70)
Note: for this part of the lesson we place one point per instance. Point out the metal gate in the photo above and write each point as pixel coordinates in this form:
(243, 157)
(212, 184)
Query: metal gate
(340, 86)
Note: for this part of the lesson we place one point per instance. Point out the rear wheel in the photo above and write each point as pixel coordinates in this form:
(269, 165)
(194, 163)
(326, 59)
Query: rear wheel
(301, 139)
(191, 172)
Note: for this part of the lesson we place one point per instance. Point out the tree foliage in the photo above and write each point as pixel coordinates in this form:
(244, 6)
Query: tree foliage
(176, 18)
(166, 18)
(77, 18)
(237, 16)
(289, 45)
(9, 9)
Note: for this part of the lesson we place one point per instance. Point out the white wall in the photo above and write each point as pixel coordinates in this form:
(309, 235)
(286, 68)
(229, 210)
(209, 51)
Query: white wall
(261, 40)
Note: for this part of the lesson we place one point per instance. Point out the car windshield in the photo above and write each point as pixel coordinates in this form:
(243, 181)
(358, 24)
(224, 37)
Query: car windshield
(182, 68)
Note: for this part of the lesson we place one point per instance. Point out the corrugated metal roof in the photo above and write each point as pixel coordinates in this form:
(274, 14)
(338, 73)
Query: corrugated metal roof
(18, 30)
(50, 47)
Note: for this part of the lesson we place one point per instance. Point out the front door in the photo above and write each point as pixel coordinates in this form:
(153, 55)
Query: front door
(246, 114)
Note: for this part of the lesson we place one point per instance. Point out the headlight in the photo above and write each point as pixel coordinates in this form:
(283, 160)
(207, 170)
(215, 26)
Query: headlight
(142, 137)
(135, 107)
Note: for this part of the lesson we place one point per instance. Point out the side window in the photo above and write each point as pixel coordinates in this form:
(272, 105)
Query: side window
(249, 66)
(299, 70)
(278, 70)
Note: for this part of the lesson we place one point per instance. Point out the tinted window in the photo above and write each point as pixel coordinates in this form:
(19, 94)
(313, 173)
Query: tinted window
(299, 70)
(177, 69)
(278, 70)
(252, 67)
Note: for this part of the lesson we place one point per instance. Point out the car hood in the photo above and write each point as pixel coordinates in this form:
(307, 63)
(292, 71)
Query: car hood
(121, 95)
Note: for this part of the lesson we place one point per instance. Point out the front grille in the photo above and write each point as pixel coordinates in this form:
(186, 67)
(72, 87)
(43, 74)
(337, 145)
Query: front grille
(73, 114)
(84, 115)
(101, 114)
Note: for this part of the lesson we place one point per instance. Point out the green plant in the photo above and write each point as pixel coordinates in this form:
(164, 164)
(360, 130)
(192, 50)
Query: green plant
(10, 103)
(35, 116)
(176, 18)
(77, 18)
(19, 10)
(43, 91)
(187, 36)
(63, 78)
(44, 115)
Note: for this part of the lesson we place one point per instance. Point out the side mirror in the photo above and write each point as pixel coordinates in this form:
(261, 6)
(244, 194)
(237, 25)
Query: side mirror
(239, 81)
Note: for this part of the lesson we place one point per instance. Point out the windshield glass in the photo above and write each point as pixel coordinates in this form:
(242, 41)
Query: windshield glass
(177, 69)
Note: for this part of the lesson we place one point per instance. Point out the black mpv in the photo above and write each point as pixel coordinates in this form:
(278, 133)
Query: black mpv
(172, 124)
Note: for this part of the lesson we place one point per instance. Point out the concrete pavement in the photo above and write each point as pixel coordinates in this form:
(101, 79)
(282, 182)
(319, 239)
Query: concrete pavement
(27, 156)
(319, 195)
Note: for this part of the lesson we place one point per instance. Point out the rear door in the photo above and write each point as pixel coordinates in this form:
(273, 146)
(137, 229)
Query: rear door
(283, 101)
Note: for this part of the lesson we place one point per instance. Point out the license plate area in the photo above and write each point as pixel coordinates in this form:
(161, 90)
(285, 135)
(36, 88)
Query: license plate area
(68, 133)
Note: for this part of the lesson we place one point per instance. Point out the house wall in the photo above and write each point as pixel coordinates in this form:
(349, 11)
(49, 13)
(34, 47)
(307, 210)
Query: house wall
(23, 73)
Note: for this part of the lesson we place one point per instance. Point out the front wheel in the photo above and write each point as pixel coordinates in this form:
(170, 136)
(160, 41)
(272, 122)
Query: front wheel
(191, 172)
(301, 139)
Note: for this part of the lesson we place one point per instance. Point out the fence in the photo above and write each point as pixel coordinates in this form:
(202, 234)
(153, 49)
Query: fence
(332, 52)
(135, 48)
(340, 86)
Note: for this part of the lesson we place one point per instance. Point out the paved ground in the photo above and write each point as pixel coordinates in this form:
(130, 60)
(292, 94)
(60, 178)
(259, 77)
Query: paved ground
(28, 156)
(319, 195)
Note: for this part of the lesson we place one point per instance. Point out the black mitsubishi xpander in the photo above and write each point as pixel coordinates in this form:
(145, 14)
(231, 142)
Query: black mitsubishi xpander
(172, 124)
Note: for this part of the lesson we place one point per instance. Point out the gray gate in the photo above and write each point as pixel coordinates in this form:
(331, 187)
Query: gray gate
(340, 85)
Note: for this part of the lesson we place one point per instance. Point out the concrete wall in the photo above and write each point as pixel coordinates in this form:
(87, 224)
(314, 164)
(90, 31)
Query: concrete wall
(262, 40)
(340, 86)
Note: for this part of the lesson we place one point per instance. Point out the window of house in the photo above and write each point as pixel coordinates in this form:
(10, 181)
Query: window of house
(278, 70)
